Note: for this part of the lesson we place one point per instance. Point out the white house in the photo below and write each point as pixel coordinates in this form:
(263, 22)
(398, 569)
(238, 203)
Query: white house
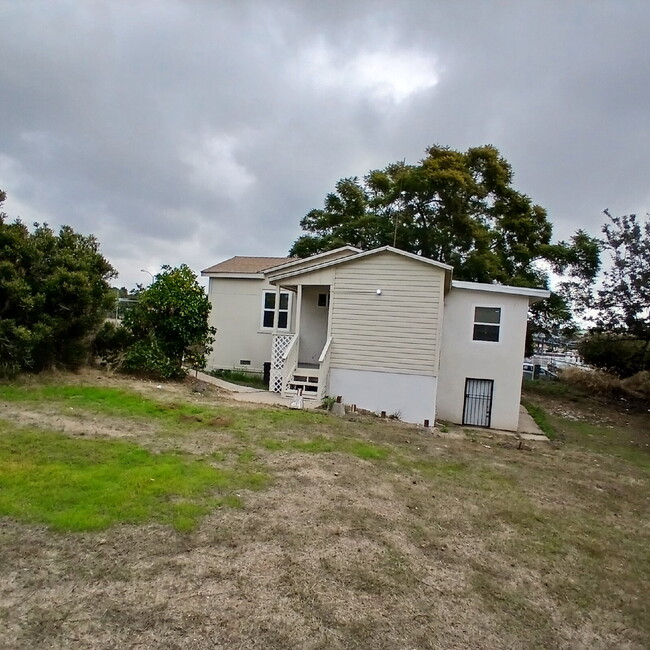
(385, 329)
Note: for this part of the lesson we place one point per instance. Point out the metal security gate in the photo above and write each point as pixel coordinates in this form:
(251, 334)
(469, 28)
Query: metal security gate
(477, 408)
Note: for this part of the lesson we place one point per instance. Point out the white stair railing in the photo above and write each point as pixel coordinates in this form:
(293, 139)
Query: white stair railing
(290, 363)
(324, 368)
(281, 343)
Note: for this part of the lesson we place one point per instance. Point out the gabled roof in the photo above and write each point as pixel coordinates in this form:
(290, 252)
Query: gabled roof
(246, 265)
(281, 273)
(335, 252)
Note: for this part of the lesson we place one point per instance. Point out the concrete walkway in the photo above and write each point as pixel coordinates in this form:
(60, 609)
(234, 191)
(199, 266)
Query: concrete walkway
(255, 395)
(527, 425)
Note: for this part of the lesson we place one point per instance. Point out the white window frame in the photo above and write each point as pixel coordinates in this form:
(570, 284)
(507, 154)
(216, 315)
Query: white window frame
(264, 309)
(487, 324)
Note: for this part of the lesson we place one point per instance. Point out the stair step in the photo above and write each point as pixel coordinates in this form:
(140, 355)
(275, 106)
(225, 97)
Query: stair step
(305, 379)
(305, 389)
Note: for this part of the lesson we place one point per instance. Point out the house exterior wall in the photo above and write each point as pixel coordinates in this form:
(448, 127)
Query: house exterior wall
(395, 332)
(411, 397)
(237, 315)
(317, 277)
(462, 358)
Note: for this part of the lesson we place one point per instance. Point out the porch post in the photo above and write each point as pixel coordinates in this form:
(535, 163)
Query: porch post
(276, 309)
(329, 313)
(298, 310)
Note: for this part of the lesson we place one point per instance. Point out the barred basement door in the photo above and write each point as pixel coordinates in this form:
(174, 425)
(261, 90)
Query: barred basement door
(477, 409)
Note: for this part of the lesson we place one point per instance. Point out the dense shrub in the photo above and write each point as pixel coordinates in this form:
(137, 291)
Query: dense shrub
(620, 354)
(638, 386)
(147, 356)
(604, 384)
(110, 344)
(54, 291)
(169, 326)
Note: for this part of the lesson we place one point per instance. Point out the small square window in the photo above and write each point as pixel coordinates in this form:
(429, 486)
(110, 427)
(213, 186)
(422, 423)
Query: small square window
(487, 323)
(323, 299)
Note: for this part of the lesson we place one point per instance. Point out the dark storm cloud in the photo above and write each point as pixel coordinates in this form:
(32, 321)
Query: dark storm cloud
(192, 131)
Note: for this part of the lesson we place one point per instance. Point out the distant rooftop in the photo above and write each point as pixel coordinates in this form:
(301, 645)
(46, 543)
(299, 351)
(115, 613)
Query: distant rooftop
(241, 264)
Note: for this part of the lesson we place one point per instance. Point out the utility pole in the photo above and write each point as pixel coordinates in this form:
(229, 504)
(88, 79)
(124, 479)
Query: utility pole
(401, 198)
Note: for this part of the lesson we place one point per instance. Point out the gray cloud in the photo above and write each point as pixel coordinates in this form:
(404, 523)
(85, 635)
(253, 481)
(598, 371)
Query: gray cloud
(192, 131)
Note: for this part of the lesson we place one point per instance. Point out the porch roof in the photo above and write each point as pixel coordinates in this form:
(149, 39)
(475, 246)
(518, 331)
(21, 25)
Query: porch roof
(281, 274)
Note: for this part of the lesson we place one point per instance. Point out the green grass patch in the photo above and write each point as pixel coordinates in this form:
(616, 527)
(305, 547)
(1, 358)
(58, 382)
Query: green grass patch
(470, 475)
(611, 441)
(322, 445)
(175, 417)
(241, 378)
(554, 388)
(108, 401)
(540, 417)
(82, 485)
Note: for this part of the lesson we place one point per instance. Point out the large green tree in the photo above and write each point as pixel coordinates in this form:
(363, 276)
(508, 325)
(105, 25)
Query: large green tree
(459, 208)
(168, 326)
(54, 291)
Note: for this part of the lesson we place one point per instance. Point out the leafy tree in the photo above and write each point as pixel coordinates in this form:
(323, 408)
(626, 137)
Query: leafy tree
(623, 302)
(54, 291)
(459, 208)
(617, 353)
(169, 325)
(620, 341)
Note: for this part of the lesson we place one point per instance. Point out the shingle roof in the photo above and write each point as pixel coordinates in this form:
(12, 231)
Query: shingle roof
(241, 264)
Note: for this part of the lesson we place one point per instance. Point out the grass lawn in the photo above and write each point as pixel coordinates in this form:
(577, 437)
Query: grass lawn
(133, 515)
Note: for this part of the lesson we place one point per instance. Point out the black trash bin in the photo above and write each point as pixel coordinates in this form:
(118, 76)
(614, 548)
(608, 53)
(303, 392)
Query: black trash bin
(267, 372)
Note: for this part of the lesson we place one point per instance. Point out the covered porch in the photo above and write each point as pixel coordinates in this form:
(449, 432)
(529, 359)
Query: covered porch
(300, 357)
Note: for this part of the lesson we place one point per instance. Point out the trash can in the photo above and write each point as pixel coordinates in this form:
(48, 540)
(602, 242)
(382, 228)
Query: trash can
(267, 372)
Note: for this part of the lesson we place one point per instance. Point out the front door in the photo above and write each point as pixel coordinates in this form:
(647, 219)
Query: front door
(477, 409)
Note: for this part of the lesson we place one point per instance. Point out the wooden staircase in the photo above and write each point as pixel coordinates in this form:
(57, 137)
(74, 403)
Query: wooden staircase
(288, 375)
(307, 377)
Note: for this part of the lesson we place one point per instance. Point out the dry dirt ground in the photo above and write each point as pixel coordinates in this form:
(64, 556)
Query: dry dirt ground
(447, 543)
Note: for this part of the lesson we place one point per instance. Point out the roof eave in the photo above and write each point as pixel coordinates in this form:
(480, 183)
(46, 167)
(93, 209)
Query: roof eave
(231, 274)
(534, 295)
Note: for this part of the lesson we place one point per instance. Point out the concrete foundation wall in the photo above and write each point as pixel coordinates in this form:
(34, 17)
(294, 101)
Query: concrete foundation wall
(413, 397)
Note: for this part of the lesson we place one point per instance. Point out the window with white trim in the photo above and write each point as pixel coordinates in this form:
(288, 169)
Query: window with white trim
(487, 323)
(268, 310)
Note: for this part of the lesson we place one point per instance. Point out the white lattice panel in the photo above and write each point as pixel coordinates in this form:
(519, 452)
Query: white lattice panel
(280, 344)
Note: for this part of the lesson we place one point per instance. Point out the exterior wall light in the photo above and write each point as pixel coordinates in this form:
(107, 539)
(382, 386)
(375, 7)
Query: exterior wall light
(379, 292)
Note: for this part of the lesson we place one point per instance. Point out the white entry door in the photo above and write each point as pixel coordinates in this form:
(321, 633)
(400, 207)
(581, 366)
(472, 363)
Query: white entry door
(477, 408)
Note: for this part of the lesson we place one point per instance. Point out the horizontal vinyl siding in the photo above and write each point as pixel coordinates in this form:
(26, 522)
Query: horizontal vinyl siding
(396, 331)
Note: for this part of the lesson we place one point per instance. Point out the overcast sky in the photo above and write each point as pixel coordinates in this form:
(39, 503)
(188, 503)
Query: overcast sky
(194, 131)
